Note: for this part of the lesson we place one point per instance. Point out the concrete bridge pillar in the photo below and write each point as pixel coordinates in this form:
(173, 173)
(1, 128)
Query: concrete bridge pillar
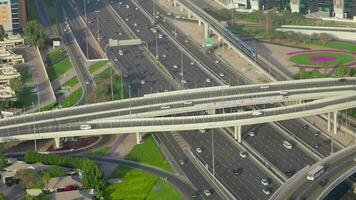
(199, 22)
(138, 138)
(189, 14)
(211, 111)
(174, 3)
(329, 122)
(237, 133)
(181, 8)
(335, 122)
(206, 30)
(57, 143)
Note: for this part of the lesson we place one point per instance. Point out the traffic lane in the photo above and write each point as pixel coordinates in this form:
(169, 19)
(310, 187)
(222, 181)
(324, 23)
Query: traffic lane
(313, 137)
(247, 185)
(80, 32)
(312, 189)
(190, 171)
(110, 29)
(268, 142)
(213, 64)
(192, 73)
(344, 191)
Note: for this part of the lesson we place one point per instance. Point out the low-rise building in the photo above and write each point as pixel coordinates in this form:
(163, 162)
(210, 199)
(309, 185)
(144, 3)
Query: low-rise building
(71, 195)
(65, 183)
(19, 165)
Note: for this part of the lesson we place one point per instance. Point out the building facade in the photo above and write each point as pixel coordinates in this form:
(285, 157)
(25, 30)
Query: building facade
(335, 8)
(12, 15)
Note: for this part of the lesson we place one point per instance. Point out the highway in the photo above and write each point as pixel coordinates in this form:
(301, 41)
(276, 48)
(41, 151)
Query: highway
(338, 168)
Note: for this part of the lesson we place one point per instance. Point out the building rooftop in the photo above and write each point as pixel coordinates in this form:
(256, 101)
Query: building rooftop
(62, 182)
(71, 195)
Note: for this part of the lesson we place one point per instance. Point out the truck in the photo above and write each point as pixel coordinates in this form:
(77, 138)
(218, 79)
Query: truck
(315, 172)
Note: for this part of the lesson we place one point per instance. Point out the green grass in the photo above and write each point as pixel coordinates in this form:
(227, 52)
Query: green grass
(149, 153)
(58, 63)
(335, 45)
(32, 10)
(94, 67)
(72, 82)
(101, 152)
(102, 91)
(72, 99)
(340, 59)
(138, 184)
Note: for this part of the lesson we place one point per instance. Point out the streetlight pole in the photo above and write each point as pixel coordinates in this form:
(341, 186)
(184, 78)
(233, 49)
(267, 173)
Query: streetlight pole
(181, 64)
(85, 10)
(97, 24)
(34, 126)
(212, 151)
(112, 89)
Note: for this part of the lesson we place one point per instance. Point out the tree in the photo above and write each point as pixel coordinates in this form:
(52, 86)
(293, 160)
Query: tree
(2, 197)
(29, 178)
(46, 177)
(2, 159)
(3, 35)
(34, 34)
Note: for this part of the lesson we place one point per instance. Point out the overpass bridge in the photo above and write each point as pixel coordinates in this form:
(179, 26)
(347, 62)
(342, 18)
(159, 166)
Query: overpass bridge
(158, 112)
(338, 167)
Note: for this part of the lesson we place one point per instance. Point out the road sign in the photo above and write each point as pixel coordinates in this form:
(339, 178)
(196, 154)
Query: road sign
(209, 42)
(130, 42)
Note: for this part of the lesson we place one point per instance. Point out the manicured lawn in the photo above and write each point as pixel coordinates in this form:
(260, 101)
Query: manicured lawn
(94, 67)
(303, 59)
(137, 184)
(103, 87)
(101, 152)
(70, 83)
(32, 10)
(336, 45)
(72, 99)
(58, 63)
(149, 153)
(52, 14)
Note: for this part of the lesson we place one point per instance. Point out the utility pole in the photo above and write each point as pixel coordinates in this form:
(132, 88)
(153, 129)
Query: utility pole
(111, 82)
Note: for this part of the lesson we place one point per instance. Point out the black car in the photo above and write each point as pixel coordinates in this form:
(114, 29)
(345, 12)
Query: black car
(290, 172)
(237, 171)
(323, 182)
(194, 195)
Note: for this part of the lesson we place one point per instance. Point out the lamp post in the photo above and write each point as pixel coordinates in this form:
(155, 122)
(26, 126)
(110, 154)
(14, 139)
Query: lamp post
(97, 24)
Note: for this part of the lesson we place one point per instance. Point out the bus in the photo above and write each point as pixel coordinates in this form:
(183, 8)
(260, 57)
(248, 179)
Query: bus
(315, 173)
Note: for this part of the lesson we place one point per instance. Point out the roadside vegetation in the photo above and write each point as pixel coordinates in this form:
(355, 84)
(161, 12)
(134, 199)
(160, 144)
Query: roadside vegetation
(34, 34)
(58, 63)
(52, 11)
(137, 184)
(32, 10)
(103, 87)
(92, 177)
(144, 152)
(96, 66)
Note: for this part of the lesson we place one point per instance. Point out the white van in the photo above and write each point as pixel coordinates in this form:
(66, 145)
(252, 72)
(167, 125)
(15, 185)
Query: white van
(257, 113)
(85, 127)
(202, 130)
(165, 107)
(283, 92)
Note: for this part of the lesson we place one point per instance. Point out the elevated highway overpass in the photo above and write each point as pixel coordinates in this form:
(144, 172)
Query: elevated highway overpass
(152, 113)
(338, 167)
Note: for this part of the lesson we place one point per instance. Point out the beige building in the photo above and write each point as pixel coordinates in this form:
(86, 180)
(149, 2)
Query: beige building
(12, 15)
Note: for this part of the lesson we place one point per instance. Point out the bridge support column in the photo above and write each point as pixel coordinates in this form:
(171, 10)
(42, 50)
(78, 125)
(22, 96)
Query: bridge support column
(189, 14)
(237, 133)
(199, 22)
(329, 122)
(335, 122)
(57, 143)
(181, 8)
(138, 138)
(206, 30)
(174, 3)
(211, 111)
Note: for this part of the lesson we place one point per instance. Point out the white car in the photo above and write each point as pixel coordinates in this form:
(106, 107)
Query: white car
(126, 19)
(264, 182)
(251, 133)
(192, 63)
(121, 53)
(160, 36)
(135, 24)
(198, 150)
(207, 192)
(208, 80)
(164, 56)
(264, 86)
(138, 30)
(283, 92)
(243, 154)
(217, 61)
(221, 74)
(181, 162)
(143, 82)
(267, 191)
(287, 144)
(256, 113)
(186, 41)
(175, 66)
(183, 81)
